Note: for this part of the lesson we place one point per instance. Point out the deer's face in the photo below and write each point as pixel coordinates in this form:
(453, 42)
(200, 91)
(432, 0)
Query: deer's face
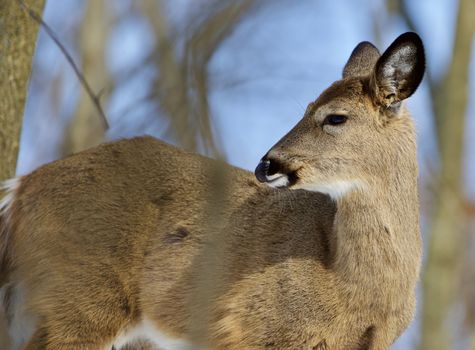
(353, 132)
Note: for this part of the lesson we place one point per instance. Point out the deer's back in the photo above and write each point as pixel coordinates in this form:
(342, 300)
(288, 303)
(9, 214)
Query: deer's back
(107, 207)
(141, 227)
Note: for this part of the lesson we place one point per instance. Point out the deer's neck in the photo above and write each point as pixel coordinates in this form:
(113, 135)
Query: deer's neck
(377, 235)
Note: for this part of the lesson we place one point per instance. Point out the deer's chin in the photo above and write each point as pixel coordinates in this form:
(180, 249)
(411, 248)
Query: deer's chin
(277, 180)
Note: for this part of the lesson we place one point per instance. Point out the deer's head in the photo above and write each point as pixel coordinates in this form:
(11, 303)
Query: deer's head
(357, 129)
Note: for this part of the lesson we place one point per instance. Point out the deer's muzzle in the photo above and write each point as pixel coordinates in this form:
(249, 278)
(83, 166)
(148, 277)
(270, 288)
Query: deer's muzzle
(269, 171)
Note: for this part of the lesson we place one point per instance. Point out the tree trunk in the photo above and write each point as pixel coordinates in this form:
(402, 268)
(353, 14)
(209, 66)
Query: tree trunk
(18, 34)
(448, 222)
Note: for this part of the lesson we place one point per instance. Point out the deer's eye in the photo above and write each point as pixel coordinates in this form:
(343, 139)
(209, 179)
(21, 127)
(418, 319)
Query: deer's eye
(335, 119)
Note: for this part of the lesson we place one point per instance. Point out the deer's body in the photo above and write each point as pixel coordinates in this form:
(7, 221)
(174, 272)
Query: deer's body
(138, 238)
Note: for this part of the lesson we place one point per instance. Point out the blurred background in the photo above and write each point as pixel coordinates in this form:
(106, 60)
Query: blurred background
(229, 78)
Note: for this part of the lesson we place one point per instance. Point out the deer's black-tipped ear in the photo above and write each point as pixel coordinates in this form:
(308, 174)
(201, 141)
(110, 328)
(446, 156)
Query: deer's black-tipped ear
(362, 60)
(399, 70)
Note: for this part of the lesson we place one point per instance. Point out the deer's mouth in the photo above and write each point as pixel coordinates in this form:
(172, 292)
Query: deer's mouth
(277, 180)
(273, 174)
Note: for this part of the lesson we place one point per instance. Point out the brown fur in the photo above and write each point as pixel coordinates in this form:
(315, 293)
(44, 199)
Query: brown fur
(3, 251)
(137, 229)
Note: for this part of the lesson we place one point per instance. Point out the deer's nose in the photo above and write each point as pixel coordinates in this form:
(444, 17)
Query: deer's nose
(262, 170)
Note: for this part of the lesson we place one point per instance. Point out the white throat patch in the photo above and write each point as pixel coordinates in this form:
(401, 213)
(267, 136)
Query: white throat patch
(335, 190)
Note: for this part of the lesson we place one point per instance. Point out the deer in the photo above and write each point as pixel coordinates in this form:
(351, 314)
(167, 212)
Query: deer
(319, 249)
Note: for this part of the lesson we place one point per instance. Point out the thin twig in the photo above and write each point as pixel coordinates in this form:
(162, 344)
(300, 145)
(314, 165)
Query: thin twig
(95, 99)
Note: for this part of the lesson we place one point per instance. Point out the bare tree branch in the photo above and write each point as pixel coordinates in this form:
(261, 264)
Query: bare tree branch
(94, 98)
(85, 130)
(182, 86)
(203, 44)
(171, 85)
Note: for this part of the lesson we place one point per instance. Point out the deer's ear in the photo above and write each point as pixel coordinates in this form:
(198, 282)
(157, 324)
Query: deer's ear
(399, 71)
(362, 60)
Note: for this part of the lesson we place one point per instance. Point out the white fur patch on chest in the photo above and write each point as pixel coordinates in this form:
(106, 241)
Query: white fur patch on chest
(147, 331)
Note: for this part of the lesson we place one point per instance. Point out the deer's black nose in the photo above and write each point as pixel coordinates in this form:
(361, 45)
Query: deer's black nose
(262, 170)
